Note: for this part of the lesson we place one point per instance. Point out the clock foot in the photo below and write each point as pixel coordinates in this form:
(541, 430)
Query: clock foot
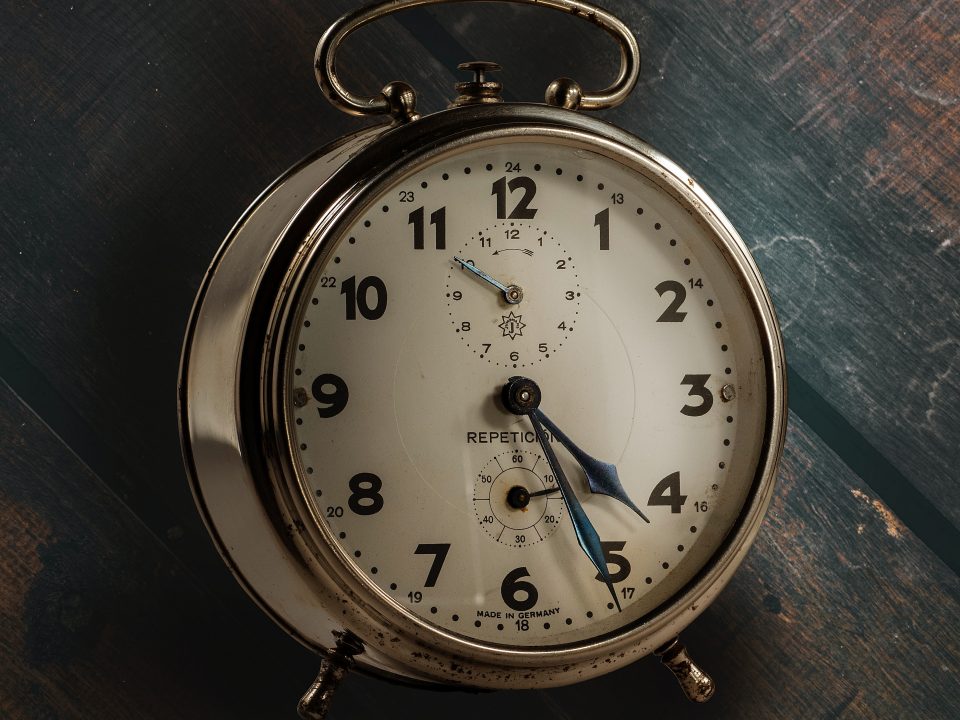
(315, 703)
(695, 683)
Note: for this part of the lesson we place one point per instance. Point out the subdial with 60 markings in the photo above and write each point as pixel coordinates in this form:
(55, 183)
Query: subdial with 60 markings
(516, 499)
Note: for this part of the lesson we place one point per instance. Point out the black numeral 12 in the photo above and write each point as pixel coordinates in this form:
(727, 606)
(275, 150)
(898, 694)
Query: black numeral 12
(522, 211)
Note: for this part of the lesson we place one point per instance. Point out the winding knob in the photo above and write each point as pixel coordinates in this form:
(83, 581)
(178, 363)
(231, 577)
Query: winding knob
(481, 89)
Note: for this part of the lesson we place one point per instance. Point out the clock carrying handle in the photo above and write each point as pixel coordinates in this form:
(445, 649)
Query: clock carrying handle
(399, 99)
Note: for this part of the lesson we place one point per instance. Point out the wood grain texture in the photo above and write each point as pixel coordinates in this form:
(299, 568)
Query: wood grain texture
(97, 618)
(133, 136)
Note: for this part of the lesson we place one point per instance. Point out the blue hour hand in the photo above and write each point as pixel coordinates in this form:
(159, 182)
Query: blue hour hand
(602, 477)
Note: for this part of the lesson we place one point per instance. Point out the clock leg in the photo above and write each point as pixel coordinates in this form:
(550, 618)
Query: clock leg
(316, 701)
(695, 683)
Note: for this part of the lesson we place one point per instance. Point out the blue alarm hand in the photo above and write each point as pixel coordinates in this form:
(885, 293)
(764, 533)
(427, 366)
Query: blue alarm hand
(513, 294)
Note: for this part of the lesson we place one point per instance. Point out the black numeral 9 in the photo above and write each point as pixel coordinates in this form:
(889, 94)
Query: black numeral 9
(331, 391)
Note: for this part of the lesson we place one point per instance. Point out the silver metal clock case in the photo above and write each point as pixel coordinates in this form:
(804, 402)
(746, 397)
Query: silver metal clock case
(231, 390)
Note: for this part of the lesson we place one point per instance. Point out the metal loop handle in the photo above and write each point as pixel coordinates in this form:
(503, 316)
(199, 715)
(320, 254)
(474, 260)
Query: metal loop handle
(399, 99)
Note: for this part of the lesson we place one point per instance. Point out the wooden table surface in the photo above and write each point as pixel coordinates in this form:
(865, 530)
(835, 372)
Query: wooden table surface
(133, 134)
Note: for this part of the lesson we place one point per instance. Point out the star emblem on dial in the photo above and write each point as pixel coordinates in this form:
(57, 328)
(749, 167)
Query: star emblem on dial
(512, 325)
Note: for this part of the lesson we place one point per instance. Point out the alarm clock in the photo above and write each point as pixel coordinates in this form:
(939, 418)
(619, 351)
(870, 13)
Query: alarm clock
(488, 398)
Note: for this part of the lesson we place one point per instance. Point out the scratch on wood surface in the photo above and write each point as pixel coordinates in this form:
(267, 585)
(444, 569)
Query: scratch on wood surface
(946, 244)
(933, 387)
(777, 25)
(917, 155)
(863, 62)
(795, 290)
(819, 110)
(819, 36)
(931, 95)
(662, 65)
(894, 526)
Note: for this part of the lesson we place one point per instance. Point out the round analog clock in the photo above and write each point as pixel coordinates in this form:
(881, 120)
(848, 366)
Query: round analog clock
(492, 397)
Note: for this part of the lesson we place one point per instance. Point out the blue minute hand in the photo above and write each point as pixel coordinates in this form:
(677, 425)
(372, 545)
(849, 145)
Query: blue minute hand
(586, 534)
(521, 396)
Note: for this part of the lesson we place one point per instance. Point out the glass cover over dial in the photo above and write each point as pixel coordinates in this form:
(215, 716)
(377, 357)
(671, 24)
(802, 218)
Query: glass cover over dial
(566, 267)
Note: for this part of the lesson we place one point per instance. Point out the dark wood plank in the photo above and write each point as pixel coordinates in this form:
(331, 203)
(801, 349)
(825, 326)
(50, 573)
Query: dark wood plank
(98, 619)
(828, 132)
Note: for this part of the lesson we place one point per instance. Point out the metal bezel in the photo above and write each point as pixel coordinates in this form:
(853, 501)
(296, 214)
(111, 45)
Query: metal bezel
(398, 642)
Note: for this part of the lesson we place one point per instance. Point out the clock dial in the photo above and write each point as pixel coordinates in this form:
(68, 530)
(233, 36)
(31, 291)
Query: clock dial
(632, 323)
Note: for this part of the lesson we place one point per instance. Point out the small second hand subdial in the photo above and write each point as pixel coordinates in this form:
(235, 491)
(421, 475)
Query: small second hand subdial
(510, 499)
(512, 294)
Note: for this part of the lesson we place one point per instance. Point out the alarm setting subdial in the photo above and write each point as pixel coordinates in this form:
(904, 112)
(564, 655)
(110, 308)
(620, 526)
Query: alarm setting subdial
(513, 295)
(516, 499)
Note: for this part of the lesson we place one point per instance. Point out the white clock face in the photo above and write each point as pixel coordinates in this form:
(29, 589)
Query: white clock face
(560, 265)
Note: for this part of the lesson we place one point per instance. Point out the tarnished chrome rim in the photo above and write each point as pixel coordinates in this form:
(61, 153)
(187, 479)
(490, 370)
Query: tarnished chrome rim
(256, 449)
